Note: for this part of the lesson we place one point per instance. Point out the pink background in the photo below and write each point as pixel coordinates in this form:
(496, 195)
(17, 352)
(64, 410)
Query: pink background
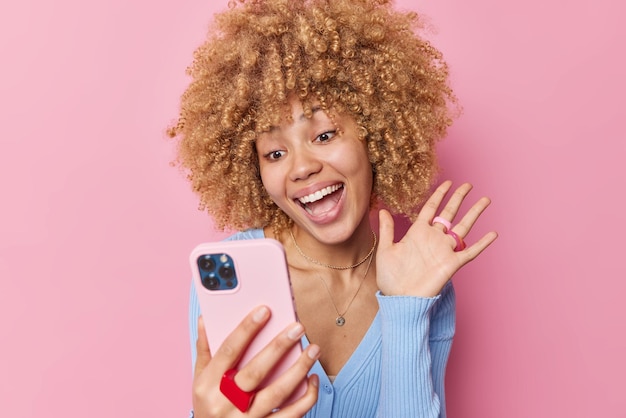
(95, 226)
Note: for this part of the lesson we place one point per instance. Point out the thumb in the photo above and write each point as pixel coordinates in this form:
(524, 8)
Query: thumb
(203, 353)
(385, 229)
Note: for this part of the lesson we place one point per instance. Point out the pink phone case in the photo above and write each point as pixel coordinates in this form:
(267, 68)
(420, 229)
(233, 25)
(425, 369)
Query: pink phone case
(262, 278)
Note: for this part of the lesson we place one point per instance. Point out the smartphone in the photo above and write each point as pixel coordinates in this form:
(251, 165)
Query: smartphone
(231, 278)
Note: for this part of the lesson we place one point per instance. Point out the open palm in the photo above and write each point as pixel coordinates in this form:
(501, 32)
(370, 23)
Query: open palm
(425, 259)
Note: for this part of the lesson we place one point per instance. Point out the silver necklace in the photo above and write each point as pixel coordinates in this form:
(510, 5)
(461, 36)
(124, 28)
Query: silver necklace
(341, 320)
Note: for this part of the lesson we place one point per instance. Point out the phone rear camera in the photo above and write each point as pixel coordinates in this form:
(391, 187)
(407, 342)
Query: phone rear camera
(211, 282)
(206, 263)
(217, 271)
(226, 273)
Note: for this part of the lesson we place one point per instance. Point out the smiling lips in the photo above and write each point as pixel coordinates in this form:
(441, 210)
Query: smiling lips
(315, 203)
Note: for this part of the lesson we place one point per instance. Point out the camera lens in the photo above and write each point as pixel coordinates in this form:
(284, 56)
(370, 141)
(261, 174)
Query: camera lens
(211, 283)
(206, 263)
(226, 273)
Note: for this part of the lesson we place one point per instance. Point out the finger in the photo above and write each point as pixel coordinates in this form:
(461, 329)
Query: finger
(305, 403)
(285, 385)
(455, 201)
(203, 354)
(385, 229)
(441, 223)
(257, 369)
(231, 350)
(478, 247)
(472, 215)
(431, 206)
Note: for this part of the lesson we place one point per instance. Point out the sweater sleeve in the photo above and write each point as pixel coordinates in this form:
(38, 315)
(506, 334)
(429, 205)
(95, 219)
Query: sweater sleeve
(416, 340)
(193, 314)
(442, 328)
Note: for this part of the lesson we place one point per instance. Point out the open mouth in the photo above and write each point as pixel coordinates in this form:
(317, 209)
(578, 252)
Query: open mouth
(322, 200)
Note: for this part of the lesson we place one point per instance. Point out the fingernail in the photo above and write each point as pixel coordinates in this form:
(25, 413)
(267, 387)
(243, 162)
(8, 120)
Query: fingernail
(315, 380)
(260, 314)
(313, 352)
(295, 332)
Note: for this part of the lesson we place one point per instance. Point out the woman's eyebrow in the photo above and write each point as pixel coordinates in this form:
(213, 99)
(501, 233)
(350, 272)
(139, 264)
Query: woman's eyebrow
(314, 110)
(302, 117)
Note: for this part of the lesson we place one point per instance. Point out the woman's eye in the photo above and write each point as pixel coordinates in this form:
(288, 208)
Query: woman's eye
(326, 136)
(274, 155)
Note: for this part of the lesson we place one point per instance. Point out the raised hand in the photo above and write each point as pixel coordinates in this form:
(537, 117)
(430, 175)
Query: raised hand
(423, 261)
(208, 400)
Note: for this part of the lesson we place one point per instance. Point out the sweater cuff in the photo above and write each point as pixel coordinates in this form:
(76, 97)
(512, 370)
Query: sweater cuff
(406, 310)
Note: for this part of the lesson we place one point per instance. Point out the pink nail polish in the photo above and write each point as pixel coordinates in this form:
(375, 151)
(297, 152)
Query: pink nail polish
(260, 314)
(295, 332)
(313, 352)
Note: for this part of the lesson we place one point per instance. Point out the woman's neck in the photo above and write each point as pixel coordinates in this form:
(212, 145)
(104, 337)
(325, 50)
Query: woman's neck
(306, 250)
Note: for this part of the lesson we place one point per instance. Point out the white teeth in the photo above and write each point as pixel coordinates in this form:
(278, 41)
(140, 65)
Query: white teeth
(314, 197)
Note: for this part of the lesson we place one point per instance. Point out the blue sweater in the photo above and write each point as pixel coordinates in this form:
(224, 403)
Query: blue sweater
(398, 368)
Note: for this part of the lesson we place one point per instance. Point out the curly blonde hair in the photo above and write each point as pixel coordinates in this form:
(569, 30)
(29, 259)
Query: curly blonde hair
(355, 57)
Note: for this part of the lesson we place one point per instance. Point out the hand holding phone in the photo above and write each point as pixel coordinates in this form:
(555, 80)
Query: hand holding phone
(232, 277)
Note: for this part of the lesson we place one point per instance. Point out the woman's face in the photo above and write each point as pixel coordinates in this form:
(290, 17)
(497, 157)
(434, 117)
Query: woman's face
(318, 172)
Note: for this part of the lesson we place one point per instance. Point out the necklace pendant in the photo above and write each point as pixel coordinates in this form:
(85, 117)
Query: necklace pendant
(340, 321)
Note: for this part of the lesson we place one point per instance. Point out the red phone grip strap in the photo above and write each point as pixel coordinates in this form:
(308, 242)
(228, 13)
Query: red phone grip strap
(241, 399)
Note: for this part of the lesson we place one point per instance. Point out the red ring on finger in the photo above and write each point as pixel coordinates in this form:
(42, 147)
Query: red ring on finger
(238, 397)
(460, 244)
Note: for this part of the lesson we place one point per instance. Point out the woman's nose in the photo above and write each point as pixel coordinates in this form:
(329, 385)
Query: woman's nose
(304, 164)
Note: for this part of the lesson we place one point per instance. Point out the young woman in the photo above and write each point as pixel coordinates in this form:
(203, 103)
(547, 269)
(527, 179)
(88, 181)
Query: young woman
(302, 118)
